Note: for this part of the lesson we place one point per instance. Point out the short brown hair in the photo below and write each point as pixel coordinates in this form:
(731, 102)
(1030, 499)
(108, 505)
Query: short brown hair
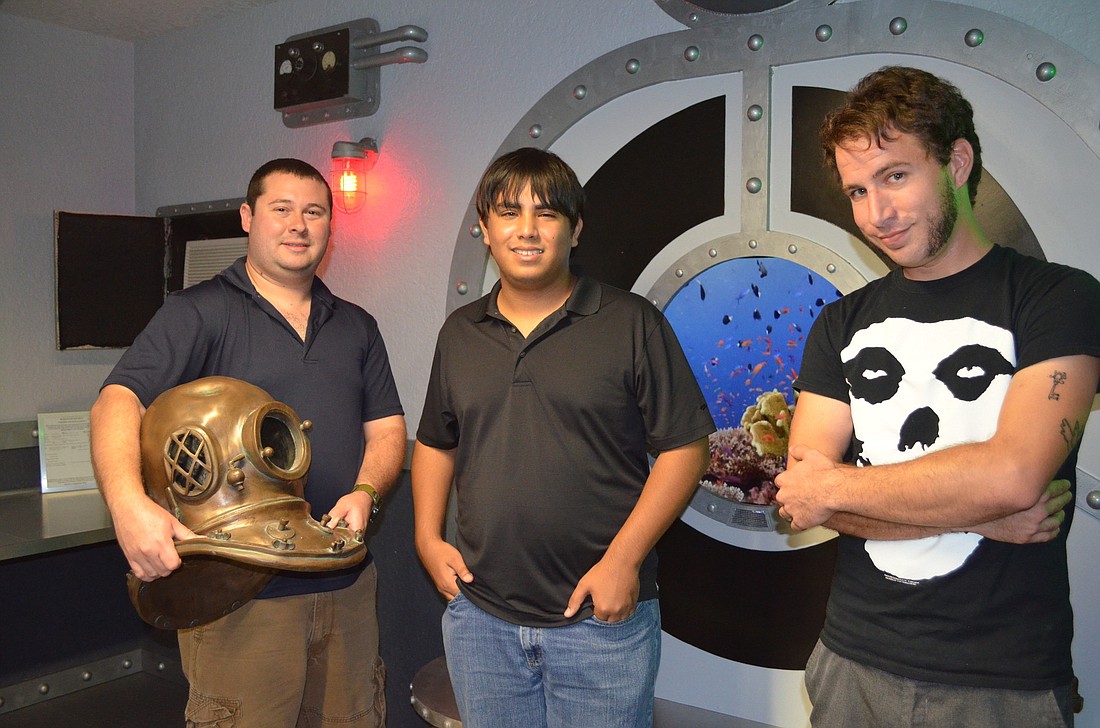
(552, 181)
(296, 167)
(897, 99)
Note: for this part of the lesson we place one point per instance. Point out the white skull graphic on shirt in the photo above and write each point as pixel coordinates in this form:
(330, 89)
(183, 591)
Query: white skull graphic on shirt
(917, 388)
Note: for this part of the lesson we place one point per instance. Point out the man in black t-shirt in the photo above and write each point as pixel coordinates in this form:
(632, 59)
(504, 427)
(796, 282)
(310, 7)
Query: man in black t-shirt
(960, 385)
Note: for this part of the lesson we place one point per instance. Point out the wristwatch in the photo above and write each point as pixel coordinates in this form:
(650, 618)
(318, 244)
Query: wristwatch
(375, 499)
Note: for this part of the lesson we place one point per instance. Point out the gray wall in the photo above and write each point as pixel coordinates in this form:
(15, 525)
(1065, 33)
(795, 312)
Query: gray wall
(101, 125)
(66, 142)
(92, 124)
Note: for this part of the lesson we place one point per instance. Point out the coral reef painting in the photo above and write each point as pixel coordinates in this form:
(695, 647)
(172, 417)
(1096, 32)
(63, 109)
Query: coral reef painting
(742, 324)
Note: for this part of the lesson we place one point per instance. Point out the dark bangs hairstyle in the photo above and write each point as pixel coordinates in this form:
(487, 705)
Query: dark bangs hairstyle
(897, 99)
(295, 167)
(553, 183)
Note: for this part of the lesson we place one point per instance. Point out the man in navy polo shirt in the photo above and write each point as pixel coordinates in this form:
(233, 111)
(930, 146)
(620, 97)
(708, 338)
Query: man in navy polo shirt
(544, 401)
(307, 647)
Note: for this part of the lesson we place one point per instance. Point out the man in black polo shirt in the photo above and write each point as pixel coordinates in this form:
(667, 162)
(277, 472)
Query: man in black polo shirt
(544, 399)
(311, 654)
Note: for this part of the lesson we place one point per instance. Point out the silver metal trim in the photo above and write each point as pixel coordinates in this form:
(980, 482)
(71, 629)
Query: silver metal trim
(1057, 76)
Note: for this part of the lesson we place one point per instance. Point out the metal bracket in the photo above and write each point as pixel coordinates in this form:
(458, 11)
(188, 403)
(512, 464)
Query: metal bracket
(332, 74)
(1088, 493)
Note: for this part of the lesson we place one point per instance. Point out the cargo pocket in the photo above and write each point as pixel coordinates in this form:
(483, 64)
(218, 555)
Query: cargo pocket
(205, 711)
(378, 710)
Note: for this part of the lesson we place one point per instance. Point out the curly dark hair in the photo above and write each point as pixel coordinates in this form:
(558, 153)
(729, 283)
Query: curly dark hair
(552, 182)
(898, 99)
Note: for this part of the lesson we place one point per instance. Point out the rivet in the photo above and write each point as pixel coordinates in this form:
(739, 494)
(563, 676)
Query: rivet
(756, 42)
(580, 92)
(713, 508)
(691, 53)
(43, 689)
(755, 112)
(86, 676)
(535, 131)
(823, 33)
(162, 666)
(831, 267)
(127, 664)
(792, 248)
(898, 26)
(974, 37)
(462, 288)
(754, 185)
(679, 272)
(753, 244)
(1045, 71)
(633, 66)
(693, 17)
(712, 253)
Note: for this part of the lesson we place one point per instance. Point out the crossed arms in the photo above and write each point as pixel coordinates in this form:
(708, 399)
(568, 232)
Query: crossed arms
(1000, 488)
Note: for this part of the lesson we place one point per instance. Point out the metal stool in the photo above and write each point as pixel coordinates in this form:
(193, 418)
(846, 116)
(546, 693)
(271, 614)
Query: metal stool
(432, 696)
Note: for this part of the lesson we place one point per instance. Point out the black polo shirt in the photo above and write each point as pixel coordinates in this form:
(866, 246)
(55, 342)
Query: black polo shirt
(552, 434)
(339, 377)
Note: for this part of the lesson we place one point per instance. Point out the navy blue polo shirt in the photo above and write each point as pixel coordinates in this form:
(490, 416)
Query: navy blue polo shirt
(339, 377)
(552, 434)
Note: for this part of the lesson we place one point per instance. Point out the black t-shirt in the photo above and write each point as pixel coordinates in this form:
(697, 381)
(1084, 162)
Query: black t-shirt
(926, 365)
(551, 434)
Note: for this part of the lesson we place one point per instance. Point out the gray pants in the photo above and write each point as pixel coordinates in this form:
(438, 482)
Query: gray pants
(846, 694)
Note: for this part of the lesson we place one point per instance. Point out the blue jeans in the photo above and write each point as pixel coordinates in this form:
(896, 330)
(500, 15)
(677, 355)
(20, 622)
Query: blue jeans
(591, 673)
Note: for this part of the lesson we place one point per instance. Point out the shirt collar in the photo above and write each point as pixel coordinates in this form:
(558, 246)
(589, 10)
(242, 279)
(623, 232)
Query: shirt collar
(584, 300)
(237, 275)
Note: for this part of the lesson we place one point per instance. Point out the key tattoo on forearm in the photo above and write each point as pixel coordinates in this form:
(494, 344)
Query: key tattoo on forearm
(1058, 378)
